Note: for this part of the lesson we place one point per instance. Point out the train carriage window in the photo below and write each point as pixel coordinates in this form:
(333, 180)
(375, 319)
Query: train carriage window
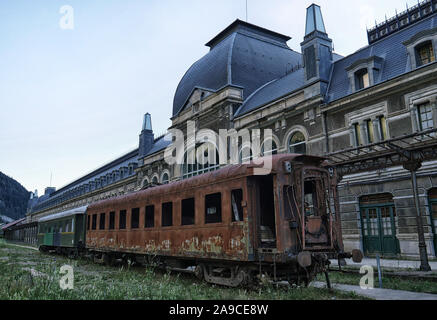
(236, 208)
(150, 217)
(167, 214)
(135, 218)
(111, 220)
(122, 220)
(188, 209)
(102, 221)
(94, 225)
(213, 208)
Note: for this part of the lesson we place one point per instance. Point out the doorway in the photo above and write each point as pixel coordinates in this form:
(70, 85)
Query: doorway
(378, 223)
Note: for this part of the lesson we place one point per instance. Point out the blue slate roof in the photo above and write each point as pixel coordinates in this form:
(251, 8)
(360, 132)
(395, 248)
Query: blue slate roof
(272, 91)
(391, 49)
(242, 55)
(160, 144)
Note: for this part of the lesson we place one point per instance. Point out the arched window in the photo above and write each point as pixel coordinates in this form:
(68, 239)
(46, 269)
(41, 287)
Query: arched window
(165, 178)
(155, 180)
(245, 154)
(146, 183)
(297, 143)
(270, 145)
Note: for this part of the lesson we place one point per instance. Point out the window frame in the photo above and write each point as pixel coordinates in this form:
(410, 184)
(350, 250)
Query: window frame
(431, 53)
(220, 214)
(102, 221)
(193, 205)
(170, 205)
(122, 216)
(145, 217)
(135, 211)
(291, 146)
(360, 82)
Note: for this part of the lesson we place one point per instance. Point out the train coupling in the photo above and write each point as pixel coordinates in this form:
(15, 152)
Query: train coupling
(356, 255)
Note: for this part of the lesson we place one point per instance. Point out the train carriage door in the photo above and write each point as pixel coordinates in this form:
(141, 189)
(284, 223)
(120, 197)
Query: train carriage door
(433, 210)
(378, 221)
(266, 209)
(48, 235)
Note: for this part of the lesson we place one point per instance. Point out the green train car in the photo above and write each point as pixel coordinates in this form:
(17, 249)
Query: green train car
(63, 232)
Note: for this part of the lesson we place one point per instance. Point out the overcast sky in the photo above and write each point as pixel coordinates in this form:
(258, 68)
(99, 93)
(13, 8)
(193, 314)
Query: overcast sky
(72, 100)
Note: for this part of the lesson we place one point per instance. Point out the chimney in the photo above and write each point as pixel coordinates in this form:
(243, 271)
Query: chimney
(147, 138)
(49, 190)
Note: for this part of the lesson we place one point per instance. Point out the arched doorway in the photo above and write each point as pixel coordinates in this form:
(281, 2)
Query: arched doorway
(378, 224)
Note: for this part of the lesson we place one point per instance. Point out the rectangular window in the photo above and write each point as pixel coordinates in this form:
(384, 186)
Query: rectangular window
(102, 221)
(122, 220)
(425, 116)
(94, 226)
(188, 209)
(88, 222)
(167, 214)
(362, 79)
(370, 134)
(357, 129)
(150, 217)
(135, 218)
(111, 220)
(383, 127)
(425, 54)
(213, 208)
(237, 209)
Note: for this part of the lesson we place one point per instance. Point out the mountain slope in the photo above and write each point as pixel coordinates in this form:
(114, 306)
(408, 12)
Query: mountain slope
(13, 198)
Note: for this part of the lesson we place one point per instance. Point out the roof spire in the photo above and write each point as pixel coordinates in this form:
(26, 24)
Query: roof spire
(147, 122)
(314, 21)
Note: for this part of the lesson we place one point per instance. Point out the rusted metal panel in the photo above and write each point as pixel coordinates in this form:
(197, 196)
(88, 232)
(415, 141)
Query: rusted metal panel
(228, 240)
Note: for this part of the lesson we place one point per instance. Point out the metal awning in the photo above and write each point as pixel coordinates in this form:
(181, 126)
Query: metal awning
(416, 147)
(71, 212)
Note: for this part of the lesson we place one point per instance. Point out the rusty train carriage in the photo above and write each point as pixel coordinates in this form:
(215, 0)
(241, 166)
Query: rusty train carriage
(230, 225)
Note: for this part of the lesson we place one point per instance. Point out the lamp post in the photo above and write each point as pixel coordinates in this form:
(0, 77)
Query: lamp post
(413, 166)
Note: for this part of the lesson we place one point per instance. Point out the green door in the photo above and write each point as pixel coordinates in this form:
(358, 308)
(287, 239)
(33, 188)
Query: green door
(48, 236)
(379, 229)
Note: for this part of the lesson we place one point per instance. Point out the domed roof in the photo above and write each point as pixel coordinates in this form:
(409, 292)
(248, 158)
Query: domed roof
(242, 55)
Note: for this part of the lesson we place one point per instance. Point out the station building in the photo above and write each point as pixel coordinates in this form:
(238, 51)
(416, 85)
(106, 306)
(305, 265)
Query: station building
(315, 102)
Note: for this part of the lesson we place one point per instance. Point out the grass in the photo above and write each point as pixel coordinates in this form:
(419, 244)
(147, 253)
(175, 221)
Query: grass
(414, 285)
(27, 274)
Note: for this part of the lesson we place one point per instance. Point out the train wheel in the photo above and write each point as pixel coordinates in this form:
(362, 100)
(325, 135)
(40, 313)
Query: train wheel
(198, 271)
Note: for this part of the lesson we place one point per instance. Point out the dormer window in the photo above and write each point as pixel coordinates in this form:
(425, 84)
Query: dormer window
(424, 53)
(362, 79)
(421, 47)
